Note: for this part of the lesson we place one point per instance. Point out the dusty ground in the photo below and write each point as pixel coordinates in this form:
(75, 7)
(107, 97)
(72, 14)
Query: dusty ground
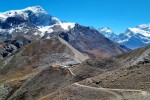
(34, 73)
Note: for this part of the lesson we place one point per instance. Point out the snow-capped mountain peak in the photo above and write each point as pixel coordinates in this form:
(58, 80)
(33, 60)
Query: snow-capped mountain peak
(67, 25)
(107, 32)
(35, 9)
(135, 37)
(106, 29)
(31, 20)
(140, 31)
(36, 14)
(143, 29)
(144, 26)
(132, 38)
(13, 13)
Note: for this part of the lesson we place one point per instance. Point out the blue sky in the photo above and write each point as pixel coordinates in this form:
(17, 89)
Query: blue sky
(116, 14)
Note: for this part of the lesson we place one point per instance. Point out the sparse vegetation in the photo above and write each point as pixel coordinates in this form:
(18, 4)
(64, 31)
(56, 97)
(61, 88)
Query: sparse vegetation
(39, 73)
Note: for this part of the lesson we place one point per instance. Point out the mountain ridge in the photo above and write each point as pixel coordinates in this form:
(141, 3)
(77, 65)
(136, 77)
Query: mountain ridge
(29, 24)
(132, 38)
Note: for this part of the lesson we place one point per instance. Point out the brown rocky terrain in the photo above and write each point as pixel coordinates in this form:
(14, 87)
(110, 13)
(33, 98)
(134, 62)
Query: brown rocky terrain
(32, 59)
(117, 83)
(124, 77)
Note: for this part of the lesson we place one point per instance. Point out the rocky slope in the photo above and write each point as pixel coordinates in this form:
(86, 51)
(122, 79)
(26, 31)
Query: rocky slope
(91, 42)
(117, 82)
(44, 76)
(33, 59)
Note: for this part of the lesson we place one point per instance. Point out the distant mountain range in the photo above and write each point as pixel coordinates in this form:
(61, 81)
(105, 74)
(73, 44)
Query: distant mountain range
(133, 38)
(20, 27)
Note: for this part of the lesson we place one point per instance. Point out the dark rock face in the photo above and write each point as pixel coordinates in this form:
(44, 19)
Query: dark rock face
(64, 36)
(6, 49)
(18, 42)
(4, 25)
(11, 22)
(14, 20)
(10, 46)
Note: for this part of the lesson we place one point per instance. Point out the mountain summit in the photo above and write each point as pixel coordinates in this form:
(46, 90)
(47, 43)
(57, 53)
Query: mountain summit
(35, 15)
(107, 32)
(135, 37)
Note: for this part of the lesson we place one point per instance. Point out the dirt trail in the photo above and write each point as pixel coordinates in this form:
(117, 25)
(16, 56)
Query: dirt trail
(122, 94)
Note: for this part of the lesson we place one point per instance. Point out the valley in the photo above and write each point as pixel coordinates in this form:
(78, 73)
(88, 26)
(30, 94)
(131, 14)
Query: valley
(44, 58)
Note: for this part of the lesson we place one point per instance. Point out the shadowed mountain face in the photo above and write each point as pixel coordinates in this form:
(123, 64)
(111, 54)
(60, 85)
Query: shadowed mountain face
(91, 42)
